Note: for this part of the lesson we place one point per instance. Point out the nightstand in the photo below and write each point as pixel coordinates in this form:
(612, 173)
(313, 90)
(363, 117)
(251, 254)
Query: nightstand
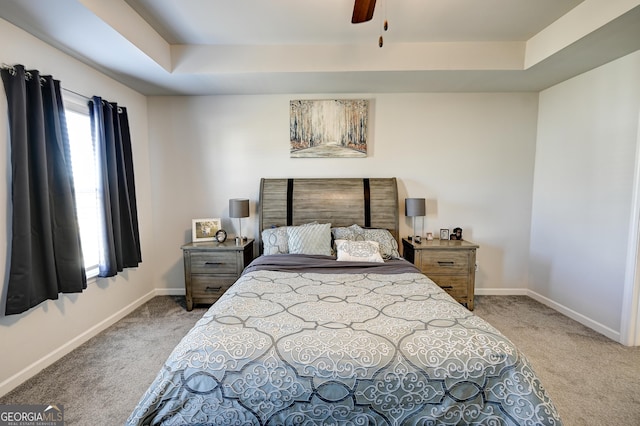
(450, 263)
(211, 267)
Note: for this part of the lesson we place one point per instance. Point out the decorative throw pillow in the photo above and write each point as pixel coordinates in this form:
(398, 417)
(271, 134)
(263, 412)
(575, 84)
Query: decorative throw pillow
(388, 244)
(275, 241)
(310, 239)
(343, 233)
(358, 251)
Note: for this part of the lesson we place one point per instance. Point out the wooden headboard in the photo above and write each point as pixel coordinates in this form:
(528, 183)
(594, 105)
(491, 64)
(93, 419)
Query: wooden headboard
(368, 202)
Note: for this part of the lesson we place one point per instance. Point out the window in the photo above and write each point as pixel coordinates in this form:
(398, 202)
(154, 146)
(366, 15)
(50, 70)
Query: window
(85, 178)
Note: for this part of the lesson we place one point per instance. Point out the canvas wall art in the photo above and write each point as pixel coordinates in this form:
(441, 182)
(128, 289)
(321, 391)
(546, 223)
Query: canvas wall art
(328, 128)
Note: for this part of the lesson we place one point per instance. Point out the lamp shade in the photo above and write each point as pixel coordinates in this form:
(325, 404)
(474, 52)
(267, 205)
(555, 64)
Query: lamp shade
(239, 207)
(414, 207)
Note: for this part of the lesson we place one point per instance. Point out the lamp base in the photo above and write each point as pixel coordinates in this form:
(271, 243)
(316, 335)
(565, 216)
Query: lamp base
(416, 238)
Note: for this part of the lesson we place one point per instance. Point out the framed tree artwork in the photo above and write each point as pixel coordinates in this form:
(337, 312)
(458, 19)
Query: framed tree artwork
(328, 128)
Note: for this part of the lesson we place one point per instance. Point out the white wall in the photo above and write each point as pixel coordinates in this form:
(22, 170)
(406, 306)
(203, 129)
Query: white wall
(32, 340)
(470, 155)
(584, 172)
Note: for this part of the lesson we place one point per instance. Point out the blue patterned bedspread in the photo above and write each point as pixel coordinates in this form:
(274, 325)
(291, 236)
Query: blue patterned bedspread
(293, 348)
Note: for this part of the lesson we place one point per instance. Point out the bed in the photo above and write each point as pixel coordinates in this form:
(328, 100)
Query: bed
(304, 338)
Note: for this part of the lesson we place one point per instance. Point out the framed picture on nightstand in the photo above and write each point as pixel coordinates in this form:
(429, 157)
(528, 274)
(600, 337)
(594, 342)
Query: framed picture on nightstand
(444, 234)
(204, 229)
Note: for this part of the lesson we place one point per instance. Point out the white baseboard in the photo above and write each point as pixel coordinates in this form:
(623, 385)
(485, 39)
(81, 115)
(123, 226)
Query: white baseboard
(26, 373)
(582, 319)
(576, 316)
(501, 291)
(170, 292)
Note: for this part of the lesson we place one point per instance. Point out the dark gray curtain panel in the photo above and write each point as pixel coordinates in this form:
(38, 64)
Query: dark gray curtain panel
(46, 255)
(121, 240)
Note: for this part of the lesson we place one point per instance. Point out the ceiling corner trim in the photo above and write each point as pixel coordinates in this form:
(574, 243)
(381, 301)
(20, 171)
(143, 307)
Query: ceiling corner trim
(584, 19)
(126, 21)
(201, 59)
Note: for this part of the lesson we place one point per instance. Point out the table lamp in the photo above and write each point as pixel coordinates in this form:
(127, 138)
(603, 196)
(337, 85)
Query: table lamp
(414, 207)
(239, 207)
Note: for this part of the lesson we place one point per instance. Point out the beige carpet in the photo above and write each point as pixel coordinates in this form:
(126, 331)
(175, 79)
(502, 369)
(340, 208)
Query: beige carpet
(100, 383)
(592, 380)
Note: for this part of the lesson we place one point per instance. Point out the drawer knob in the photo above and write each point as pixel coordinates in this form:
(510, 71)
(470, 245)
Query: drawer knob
(445, 263)
(213, 263)
(213, 288)
(447, 286)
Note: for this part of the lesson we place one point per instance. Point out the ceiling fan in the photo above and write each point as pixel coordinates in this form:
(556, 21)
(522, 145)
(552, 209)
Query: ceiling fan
(362, 11)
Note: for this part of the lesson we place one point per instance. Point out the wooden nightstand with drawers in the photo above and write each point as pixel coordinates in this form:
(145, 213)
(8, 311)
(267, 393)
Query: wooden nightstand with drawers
(211, 267)
(450, 263)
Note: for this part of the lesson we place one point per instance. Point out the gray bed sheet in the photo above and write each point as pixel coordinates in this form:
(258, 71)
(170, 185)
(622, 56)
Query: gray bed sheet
(287, 345)
(326, 265)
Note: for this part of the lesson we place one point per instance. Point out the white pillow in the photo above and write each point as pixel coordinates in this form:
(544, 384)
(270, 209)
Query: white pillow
(358, 251)
(310, 239)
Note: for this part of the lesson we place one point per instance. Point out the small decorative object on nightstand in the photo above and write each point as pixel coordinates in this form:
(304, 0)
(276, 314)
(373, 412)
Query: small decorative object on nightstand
(221, 236)
(204, 229)
(211, 267)
(456, 234)
(449, 263)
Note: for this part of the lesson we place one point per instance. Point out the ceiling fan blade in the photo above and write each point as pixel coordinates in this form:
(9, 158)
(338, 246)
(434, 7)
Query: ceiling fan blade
(362, 11)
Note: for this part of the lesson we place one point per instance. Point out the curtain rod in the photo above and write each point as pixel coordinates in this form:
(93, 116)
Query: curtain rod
(12, 71)
(9, 68)
(27, 74)
(76, 93)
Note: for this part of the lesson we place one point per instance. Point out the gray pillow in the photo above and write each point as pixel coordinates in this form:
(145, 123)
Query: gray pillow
(344, 233)
(388, 244)
(276, 240)
(310, 239)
